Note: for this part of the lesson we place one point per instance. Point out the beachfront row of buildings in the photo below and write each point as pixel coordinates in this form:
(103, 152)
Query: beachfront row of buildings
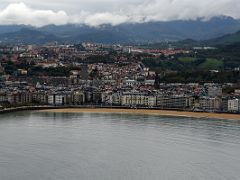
(131, 99)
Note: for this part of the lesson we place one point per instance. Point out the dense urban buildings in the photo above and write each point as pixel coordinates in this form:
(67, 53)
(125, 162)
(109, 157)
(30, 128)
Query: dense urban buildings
(105, 75)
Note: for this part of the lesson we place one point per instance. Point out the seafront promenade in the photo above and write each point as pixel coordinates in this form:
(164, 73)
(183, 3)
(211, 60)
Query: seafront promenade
(123, 110)
(47, 107)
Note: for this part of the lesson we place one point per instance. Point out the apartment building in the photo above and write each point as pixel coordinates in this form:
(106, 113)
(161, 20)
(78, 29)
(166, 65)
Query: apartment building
(175, 101)
(138, 99)
(210, 104)
(214, 91)
(234, 105)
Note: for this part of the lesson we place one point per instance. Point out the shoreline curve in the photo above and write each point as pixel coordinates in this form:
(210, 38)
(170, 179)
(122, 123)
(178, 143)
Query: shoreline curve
(156, 112)
(123, 110)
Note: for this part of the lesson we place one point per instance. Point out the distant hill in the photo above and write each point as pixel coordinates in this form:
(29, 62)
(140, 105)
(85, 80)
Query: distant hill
(151, 32)
(11, 28)
(28, 36)
(226, 39)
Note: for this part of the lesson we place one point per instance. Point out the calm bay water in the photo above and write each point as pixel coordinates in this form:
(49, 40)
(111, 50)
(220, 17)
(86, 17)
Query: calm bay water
(59, 146)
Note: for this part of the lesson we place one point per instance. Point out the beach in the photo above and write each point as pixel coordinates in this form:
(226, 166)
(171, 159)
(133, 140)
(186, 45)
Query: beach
(148, 112)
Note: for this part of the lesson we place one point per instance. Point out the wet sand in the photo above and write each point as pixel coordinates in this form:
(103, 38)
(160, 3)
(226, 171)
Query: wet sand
(148, 112)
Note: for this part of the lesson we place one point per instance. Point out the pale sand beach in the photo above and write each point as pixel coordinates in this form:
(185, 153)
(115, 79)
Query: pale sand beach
(148, 112)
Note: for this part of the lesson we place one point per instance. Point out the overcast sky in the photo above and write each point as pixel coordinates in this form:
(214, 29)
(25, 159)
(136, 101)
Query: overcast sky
(97, 12)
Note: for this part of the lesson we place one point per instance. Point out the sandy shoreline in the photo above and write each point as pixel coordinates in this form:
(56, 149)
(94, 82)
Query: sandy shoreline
(148, 112)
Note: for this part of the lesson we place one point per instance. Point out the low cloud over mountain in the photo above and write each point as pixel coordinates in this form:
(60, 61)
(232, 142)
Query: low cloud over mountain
(114, 12)
(150, 32)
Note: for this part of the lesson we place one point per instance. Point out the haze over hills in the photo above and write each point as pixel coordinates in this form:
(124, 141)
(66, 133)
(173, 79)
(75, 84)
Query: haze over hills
(151, 32)
(28, 36)
(226, 39)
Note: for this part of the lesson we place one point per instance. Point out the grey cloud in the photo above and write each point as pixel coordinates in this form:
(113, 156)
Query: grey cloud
(21, 14)
(97, 12)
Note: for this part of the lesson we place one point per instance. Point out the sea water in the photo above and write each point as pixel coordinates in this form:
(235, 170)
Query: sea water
(91, 146)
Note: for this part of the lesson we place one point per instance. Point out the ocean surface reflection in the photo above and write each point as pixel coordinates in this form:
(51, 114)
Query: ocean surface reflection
(44, 145)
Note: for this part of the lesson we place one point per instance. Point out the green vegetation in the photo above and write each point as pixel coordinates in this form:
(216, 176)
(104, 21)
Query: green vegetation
(227, 39)
(184, 63)
(200, 77)
(186, 59)
(197, 66)
(59, 71)
(10, 67)
(211, 63)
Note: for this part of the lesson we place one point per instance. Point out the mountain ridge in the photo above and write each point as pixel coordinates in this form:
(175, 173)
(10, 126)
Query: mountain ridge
(151, 32)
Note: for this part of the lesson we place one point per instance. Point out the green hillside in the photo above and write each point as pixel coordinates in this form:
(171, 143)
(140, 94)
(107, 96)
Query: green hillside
(212, 64)
(224, 40)
(219, 65)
